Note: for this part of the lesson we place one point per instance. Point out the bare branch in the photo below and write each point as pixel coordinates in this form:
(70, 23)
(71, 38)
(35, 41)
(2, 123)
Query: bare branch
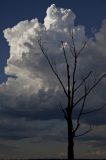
(73, 43)
(52, 68)
(94, 110)
(68, 72)
(82, 108)
(64, 111)
(73, 75)
(83, 47)
(71, 50)
(84, 79)
(89, 91)
(84, 133)
(64, 52)
(55, 66)
(94, 78)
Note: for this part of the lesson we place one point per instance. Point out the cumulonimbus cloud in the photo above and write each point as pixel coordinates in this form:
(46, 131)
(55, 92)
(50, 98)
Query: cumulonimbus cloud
(35, 87)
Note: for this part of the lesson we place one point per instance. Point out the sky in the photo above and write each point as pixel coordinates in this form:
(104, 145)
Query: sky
(31, 123)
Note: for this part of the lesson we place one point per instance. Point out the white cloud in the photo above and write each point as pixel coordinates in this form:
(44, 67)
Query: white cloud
(26, 60)
(59, 18)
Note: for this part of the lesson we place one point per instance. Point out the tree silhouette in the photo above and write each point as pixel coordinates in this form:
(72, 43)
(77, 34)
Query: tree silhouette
(74, 87)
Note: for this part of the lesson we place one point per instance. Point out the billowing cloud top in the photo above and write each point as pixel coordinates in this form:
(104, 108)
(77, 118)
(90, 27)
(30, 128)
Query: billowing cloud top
(58, 18)
(35, 89)
(26, 61)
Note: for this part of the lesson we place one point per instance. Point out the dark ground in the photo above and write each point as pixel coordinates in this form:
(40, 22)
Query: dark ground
(50, 159)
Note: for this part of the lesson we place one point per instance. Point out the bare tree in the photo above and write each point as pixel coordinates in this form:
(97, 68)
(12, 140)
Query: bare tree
(73, 87)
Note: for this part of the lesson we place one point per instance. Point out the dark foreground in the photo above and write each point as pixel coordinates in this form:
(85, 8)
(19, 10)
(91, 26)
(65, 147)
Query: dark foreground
(50, 159)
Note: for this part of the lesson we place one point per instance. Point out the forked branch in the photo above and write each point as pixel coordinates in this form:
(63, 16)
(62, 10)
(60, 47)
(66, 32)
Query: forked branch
(82, 108)
(84, 133)
(94, 110)
(51, 66)
(64, 110)
(68, 70)
(84, 79)
(91, 88)
(81, 49)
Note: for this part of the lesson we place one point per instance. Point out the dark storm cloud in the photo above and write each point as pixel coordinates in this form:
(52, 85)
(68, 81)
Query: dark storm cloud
(95, 118)
(32, 114)
(18, 129)
(43, 106)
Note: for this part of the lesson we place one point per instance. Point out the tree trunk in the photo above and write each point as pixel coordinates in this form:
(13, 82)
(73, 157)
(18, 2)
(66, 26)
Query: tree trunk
(70, 142)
